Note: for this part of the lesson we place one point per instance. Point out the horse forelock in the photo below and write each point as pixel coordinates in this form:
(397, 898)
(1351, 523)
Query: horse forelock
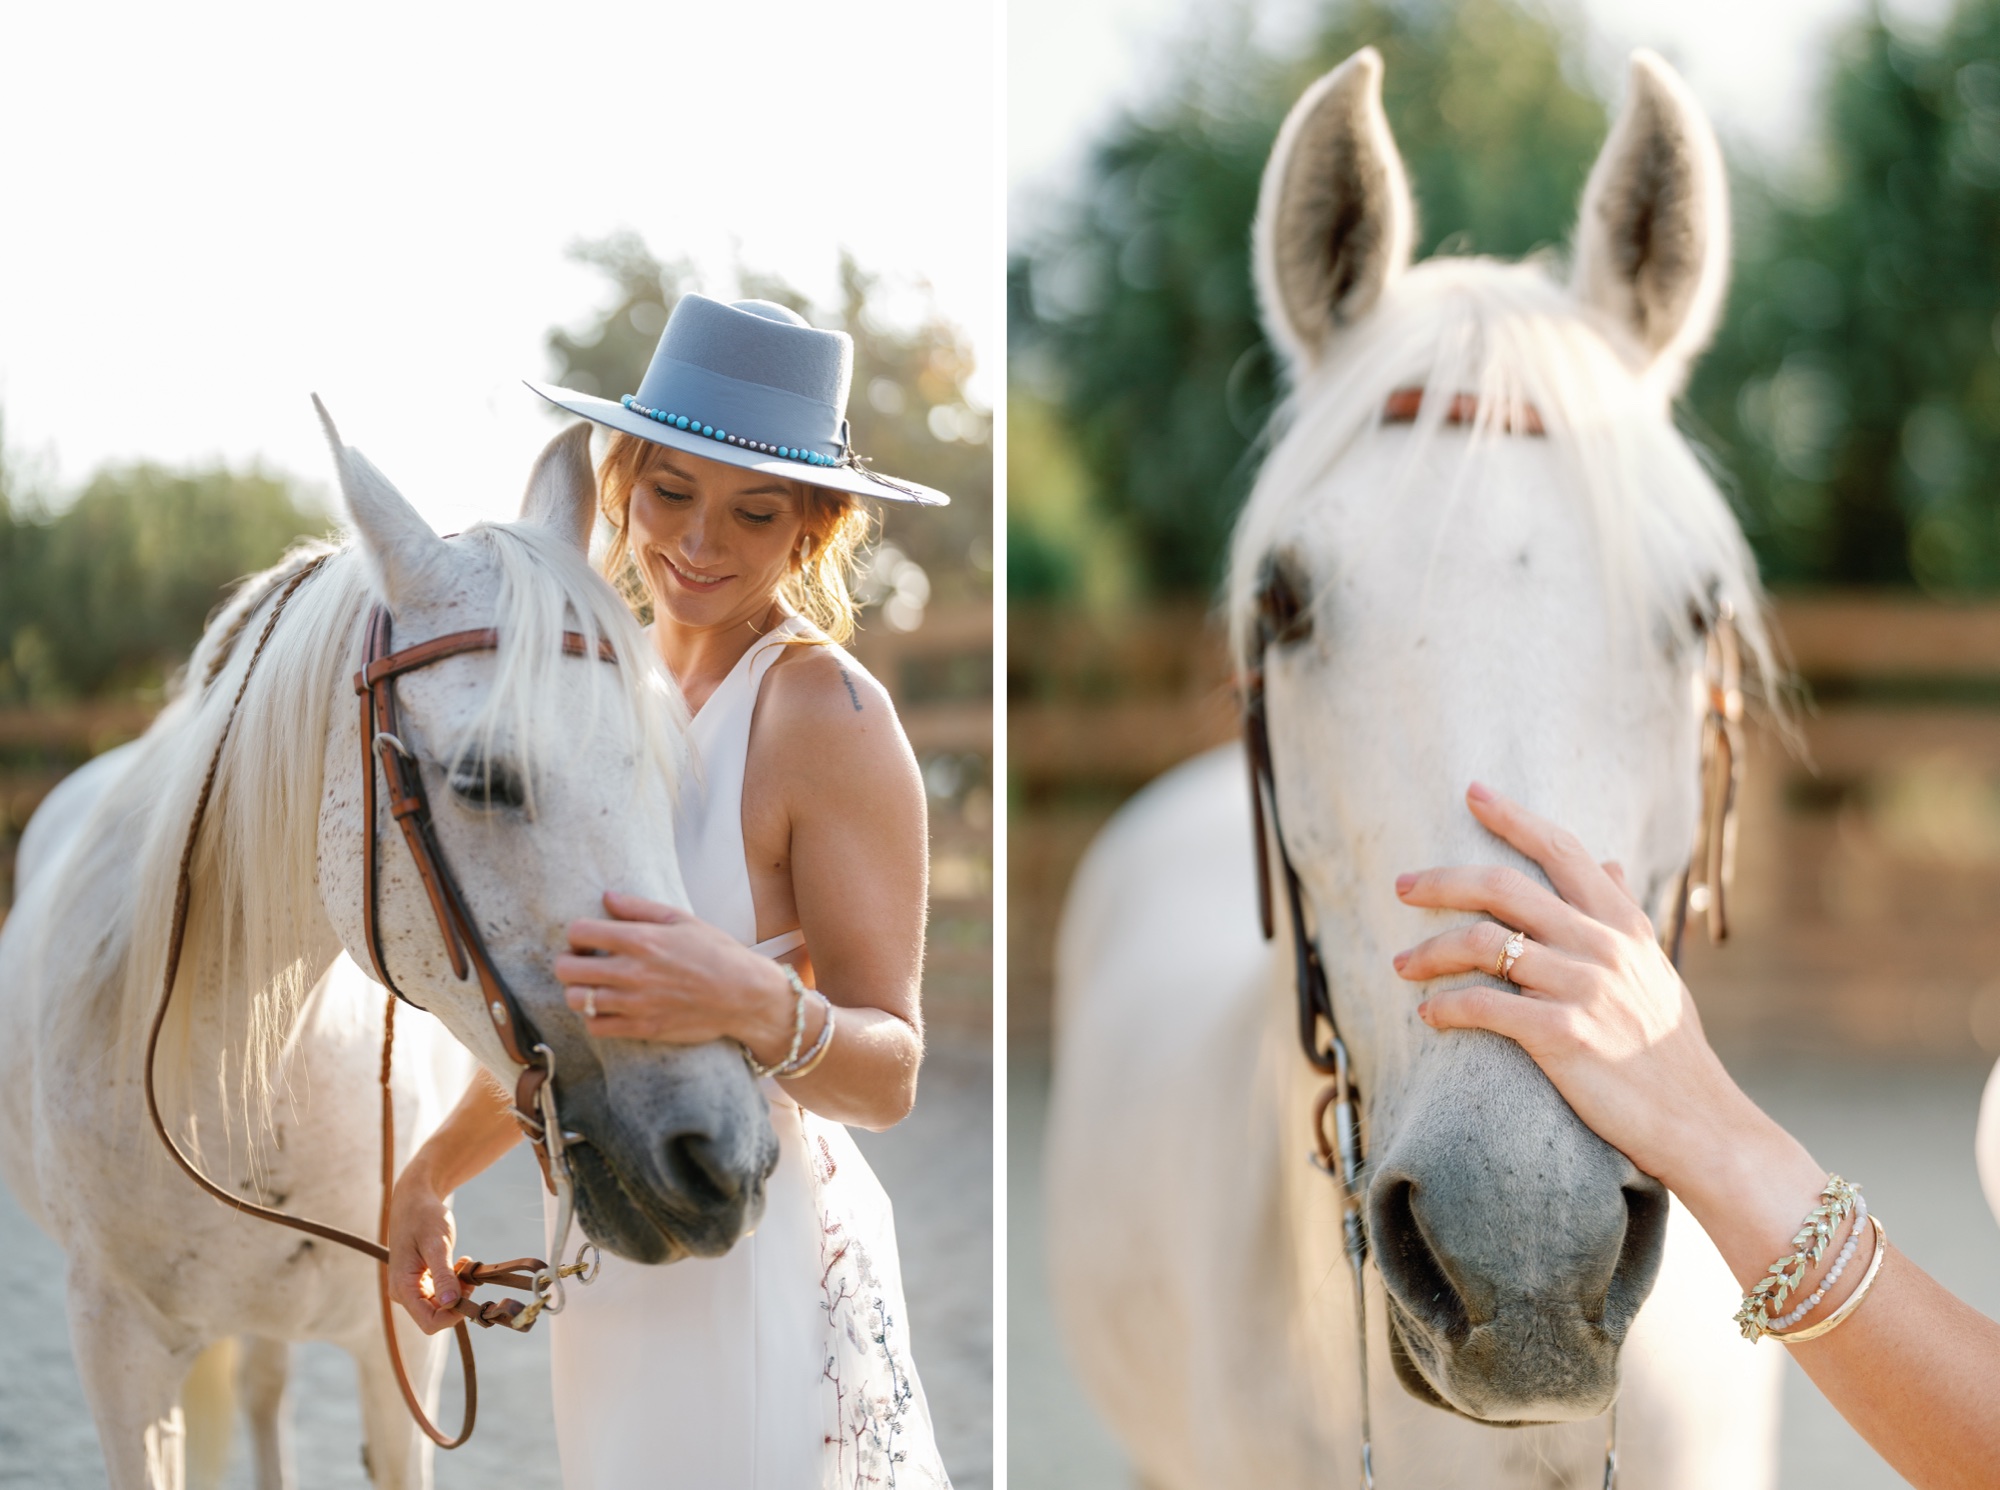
(1515, 339)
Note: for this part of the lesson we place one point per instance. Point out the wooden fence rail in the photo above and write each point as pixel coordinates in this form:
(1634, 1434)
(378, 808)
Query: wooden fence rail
(1868, 878)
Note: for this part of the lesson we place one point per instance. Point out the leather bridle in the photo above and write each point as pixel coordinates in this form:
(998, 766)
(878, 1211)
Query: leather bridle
(534, 1092)
(1704, 885)
(409, 805)
(1282, 618)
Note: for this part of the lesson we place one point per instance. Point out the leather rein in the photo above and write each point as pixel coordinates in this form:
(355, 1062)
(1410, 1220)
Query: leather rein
(534, 1092)
(1701, 888)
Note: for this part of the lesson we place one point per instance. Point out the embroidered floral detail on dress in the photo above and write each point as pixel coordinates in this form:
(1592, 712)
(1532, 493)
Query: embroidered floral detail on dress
(877, 1416)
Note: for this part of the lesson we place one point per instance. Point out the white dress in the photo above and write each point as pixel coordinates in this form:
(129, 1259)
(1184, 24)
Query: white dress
(784, 1364)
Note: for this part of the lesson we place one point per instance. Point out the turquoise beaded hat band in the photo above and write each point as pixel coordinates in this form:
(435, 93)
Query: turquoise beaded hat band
(709, 432)
(749, 384)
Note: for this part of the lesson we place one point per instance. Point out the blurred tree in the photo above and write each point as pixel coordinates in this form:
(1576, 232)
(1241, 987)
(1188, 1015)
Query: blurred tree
(110, 593)
(22, 539)
(609, 353)
(1058, 546)
(1854, 390)
(909, 409)
(1134, 316)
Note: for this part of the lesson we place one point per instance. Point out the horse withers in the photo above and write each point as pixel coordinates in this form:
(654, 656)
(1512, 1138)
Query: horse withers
(550, 778)
(1477, 549)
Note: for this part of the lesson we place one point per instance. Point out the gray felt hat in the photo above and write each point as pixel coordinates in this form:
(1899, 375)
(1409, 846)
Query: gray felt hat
(750, 384)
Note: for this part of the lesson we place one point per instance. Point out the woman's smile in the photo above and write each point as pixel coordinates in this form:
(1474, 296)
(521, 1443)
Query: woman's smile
(691, 578)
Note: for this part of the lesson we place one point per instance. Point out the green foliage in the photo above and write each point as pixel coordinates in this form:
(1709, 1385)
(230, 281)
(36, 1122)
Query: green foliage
(111, 593)
(1058, 547)
(1136, 316)
(909, 410)
(1854, 391)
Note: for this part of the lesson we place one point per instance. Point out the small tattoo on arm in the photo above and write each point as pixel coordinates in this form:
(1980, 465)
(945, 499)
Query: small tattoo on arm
(855, 697)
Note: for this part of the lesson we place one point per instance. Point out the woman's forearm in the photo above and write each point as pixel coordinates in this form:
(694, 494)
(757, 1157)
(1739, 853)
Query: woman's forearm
(868, 1078)
(1743, 1177)
(421, 1232)
(470, 1140)
(868, 1075)
(1912, 1369)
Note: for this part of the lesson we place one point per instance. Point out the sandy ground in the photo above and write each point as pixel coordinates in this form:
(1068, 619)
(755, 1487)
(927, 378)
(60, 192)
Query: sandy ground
(1904, 1133)
(937, 1167)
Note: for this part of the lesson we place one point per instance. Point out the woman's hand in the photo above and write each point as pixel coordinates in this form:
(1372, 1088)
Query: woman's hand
(653, 972)
(421, 1234)
(473, 1135)
(1601, 1009)
(1604, 1014)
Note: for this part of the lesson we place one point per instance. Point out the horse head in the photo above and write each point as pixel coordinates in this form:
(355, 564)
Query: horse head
(550, 780)
(1478, 549)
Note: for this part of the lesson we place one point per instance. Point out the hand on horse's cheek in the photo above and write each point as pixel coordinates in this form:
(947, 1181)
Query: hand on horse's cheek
(676, 980)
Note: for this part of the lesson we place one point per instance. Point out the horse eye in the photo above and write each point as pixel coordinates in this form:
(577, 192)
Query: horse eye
(486, 783)
(1284, 598)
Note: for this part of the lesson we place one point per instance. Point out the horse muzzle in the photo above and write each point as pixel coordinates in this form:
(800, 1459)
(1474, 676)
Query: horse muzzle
(1515, 1249)
(677, 1148)
(695, 1195)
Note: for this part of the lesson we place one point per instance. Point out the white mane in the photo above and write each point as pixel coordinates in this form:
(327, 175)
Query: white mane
(1515, 339)
(255, 901)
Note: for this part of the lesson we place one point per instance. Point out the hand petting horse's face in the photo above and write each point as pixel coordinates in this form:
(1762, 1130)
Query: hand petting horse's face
(548, 784)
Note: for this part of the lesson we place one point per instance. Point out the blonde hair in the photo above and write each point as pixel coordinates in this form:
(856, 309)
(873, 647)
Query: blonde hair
(833, 528)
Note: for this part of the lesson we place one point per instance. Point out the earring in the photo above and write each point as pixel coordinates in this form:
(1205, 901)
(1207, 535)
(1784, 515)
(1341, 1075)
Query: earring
(805, 549)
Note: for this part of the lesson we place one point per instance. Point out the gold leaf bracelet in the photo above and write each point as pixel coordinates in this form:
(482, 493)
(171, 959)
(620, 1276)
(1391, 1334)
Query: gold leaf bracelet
(1766, 1300)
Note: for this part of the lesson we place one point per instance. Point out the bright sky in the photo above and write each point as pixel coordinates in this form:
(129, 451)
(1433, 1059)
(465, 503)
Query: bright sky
(1754, 63)
(213, 210)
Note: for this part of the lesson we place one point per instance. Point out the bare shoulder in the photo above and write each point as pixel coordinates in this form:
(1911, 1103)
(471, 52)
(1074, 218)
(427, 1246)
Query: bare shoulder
(823, 708)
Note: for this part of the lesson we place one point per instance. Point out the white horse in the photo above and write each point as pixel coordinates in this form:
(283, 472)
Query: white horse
(1510, 588)
(550, 778)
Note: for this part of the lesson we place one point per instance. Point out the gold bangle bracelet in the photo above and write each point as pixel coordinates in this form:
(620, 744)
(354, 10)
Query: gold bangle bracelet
(809, 1062)
(1839, 1316)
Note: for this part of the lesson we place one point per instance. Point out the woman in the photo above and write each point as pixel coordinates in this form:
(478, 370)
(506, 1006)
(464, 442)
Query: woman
(1610, 1022)
(785, 1362)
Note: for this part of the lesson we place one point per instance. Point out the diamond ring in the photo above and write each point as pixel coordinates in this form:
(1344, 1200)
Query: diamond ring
(1510, 953)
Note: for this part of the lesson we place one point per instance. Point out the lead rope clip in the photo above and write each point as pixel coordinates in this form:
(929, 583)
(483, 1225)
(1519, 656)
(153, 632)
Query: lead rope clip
(1342, 1161)
(550, 1297)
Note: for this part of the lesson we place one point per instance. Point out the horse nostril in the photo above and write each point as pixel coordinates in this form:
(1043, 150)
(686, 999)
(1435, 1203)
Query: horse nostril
(1410, 1266)
(698, 1172)
(1639, 1253)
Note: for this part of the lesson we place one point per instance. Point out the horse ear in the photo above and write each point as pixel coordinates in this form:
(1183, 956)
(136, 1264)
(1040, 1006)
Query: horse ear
(394, 535)
(562, 488)
(1652, 239)
(1335, 221)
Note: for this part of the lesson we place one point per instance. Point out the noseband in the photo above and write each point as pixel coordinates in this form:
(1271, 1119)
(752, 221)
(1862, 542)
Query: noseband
(535, 1091)
(1700, 888)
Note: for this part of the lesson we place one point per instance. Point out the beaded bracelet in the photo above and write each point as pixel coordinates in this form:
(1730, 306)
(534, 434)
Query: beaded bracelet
(1808, 1246)
(1839, 1316)
(806, 1063)
(1833, 1274)
(799, 995)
